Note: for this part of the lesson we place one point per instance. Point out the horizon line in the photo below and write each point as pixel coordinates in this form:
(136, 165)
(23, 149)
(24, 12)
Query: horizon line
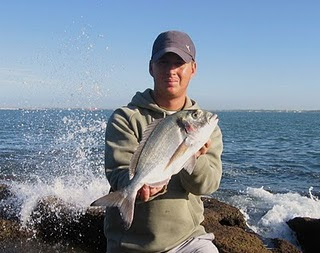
(102, 108)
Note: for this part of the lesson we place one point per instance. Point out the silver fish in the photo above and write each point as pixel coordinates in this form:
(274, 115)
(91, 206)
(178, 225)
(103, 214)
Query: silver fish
(168, 145)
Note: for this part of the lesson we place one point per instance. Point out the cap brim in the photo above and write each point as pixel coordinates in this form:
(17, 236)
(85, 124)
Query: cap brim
(184, 56)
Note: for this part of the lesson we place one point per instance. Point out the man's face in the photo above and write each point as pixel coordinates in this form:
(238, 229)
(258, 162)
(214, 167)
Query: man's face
(171, 75)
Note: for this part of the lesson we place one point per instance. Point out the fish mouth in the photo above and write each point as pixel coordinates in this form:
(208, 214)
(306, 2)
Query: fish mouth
(212, 117)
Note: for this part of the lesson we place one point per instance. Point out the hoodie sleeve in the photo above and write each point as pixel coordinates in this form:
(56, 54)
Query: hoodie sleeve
(206, 175)
(120, 144)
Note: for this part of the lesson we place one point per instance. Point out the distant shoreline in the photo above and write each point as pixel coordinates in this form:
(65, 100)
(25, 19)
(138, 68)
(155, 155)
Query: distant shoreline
(111, 109)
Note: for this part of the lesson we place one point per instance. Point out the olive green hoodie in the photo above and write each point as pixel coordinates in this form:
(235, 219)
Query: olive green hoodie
(173, 215)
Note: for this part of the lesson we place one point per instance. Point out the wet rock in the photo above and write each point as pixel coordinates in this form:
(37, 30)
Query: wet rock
(282, 246)
(55, 221)
(11, 229)
(307, 232)
(4, 191)
(8, 202)
(65, 225)
(13, 238)
(230, 230)
(27, 245)
(223, 213)
(232, 235)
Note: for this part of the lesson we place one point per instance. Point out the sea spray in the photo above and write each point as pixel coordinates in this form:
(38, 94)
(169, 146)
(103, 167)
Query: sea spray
(79, 195)
(62, 153)
(77, 70)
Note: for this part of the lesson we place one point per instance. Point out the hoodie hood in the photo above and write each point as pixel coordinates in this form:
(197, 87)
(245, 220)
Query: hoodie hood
(146, 101)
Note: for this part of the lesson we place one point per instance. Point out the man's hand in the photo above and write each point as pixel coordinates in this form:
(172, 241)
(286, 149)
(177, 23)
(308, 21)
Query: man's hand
(147, 191)
(204, 149)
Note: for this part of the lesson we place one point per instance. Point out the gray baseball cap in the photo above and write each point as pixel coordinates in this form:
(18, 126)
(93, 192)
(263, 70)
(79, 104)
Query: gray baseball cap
(175, 42)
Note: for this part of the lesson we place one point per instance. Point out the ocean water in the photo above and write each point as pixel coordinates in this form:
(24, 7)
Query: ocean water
(271, 162)
(271, 167)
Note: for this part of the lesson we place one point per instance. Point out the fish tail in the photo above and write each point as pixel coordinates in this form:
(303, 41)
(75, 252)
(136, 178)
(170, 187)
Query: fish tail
(127, 210)
(122, 200)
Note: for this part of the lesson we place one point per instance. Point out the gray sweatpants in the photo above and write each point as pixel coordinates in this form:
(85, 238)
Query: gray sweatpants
(200, 244)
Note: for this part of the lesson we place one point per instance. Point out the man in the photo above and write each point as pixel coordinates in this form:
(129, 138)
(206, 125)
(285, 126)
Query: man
(168, 219)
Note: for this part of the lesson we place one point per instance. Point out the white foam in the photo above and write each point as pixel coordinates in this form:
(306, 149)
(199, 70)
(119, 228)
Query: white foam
(77, 193)
(267, 213)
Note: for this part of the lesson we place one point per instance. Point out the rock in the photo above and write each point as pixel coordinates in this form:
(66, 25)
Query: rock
(8, 202)
(81, 229)
(11, 229)
(55, 221)
(307, 232)
(282, 246)
(229, 227)
(223, 213)
(232, 234)
(13, 238)
(4, 191)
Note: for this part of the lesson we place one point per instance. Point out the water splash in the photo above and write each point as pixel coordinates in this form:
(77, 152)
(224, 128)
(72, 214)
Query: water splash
(315, 198)
(72, 192)
(61, 154)
(267, 213)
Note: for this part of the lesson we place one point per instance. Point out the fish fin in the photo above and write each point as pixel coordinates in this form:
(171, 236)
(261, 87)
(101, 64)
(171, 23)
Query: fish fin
(190, 164)
(127, 210)
(111, 199)
(123, 201)
(145, 136)
(183, 147)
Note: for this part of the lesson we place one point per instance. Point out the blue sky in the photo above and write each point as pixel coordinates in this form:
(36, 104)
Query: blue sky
(250, 54)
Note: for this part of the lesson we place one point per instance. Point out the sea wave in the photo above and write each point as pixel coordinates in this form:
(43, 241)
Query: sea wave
(267, 212)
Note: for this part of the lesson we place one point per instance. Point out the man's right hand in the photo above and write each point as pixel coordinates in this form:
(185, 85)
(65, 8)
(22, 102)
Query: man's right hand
(147, 191)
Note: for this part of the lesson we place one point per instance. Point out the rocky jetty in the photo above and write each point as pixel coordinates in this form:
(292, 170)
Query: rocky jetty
(57, 226)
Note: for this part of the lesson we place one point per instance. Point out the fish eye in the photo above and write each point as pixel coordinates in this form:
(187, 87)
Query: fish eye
(195, 115)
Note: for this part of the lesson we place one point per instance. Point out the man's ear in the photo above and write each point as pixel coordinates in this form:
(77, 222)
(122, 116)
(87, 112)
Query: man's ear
(194, 68)
(150, 68)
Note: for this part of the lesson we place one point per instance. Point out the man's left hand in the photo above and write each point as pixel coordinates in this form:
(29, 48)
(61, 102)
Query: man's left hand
(204, 149)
